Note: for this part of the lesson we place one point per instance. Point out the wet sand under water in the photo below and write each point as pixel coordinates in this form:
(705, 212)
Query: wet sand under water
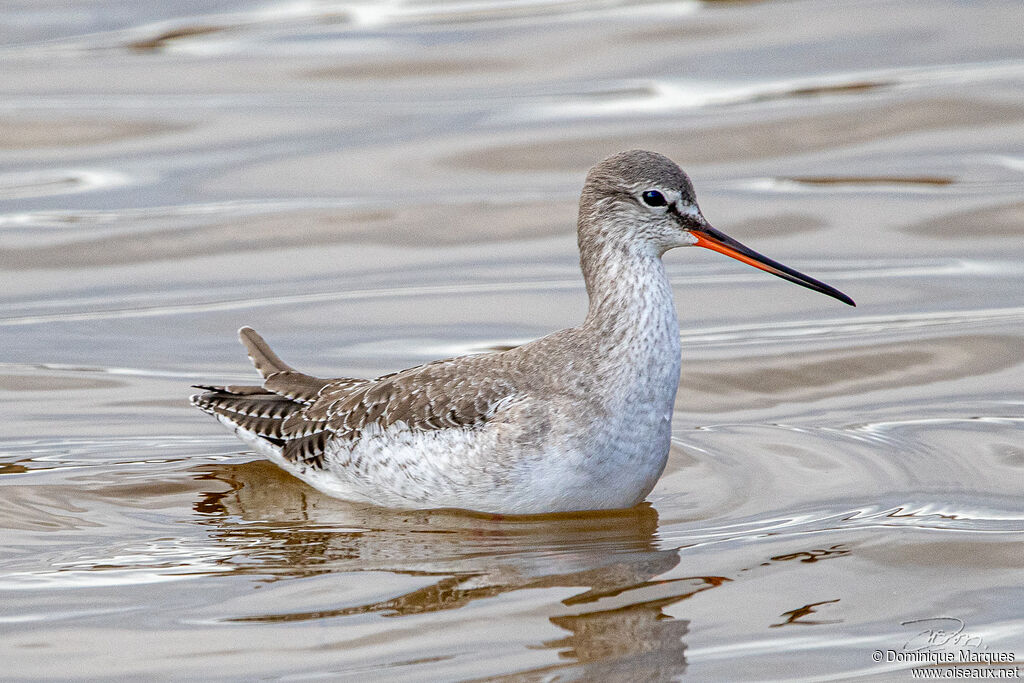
(376, 186)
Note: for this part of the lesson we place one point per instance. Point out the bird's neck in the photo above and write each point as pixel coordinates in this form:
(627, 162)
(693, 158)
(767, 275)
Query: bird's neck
(631, 303)
(631, 336)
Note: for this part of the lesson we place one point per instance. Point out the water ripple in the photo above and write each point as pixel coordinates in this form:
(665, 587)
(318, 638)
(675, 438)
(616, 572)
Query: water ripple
(924, 514)
(65, 453)
(666, 96)
(837, 329)
(52, 182)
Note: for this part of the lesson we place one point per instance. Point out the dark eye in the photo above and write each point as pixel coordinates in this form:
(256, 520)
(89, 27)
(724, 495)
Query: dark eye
(654, 198)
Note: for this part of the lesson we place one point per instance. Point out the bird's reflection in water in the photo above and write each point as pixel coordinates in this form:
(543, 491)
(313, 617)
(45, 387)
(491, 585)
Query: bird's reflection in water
(280, 528)
(633, 643)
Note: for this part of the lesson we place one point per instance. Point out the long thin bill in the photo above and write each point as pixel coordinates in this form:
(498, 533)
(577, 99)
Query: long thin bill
(709, 238)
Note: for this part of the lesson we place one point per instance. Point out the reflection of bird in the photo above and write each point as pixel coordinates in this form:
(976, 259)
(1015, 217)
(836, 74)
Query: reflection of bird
(637, 642)
(293, 531)
(577, 420)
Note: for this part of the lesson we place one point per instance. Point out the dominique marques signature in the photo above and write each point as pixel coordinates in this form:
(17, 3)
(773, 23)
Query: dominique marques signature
(940, 633)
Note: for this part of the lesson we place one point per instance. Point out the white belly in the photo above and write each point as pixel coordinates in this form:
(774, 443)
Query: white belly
(483, 470)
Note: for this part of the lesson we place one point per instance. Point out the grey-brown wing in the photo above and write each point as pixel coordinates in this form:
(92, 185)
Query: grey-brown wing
(460, 392)
(300, 413)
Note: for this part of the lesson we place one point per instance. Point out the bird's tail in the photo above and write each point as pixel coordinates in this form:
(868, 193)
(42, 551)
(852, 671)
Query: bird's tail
(260, 410)
(262, 356)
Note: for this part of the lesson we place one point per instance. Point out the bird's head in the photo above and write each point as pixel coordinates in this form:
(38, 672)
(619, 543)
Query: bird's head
(641, 199)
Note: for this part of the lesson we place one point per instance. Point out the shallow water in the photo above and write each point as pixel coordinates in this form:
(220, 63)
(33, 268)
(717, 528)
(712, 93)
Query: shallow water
(377, 185)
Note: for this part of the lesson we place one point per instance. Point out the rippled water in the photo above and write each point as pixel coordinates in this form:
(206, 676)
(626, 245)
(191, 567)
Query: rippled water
(374, 185)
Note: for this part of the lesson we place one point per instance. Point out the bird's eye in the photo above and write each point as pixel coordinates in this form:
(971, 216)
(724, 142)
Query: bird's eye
(654, 198)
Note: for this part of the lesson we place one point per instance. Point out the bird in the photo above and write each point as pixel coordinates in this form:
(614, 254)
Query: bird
(580, 419)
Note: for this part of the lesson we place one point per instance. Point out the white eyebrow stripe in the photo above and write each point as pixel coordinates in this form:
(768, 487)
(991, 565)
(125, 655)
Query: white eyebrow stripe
(688, 210)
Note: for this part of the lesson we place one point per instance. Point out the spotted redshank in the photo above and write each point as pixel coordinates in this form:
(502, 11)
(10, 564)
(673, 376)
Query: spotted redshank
(577, 420)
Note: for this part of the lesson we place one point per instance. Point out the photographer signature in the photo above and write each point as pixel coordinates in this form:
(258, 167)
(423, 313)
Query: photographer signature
(940, 633)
